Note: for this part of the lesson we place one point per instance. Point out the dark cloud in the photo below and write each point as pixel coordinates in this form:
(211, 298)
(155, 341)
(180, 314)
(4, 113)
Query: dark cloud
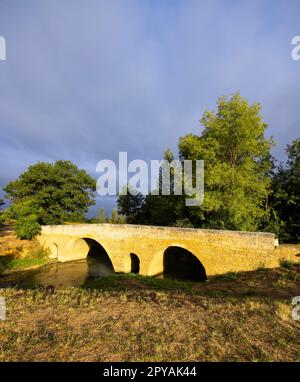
(85, 80)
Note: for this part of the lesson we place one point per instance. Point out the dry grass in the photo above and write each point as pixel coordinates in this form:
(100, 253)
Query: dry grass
(146, 324)
(234, 317)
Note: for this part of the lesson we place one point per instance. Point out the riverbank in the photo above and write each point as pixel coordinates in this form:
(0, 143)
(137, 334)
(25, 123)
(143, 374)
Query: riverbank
(16, 254)
(234, 317)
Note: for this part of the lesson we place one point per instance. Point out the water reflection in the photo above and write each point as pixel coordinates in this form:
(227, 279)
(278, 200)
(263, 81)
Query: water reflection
(59, 275)
(178, 264)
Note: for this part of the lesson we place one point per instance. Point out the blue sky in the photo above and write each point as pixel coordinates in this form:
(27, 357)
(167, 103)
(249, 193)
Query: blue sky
(84, 80)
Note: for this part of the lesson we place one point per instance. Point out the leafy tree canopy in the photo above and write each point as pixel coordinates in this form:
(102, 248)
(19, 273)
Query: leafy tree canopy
(285, 199)
(237, 165)
(115, 218)
(50, 194)
(101, 216)
(130, 204)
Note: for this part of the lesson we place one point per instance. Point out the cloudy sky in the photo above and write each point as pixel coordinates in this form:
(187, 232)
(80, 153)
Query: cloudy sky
(85, 79)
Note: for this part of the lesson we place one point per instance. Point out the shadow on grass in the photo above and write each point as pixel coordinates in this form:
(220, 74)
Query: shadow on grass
(6, 263)
(282, 282)
(132, 281)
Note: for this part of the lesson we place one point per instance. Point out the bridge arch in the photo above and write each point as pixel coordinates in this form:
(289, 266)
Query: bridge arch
(180, 263)
(135, 263)
(177, 261)
(86, 247)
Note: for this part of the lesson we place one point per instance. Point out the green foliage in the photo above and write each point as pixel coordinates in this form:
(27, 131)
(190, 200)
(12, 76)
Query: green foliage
(28, 227)
(115, 218)
(288, 264)
(27, 212)
(285, 199)
(122, 282)
(101, 216)
(130, 204)
(183, 223)
(2, 216)
(163, 210)
(237, 174)
(49, 194)
(237, 165)
(229, 276)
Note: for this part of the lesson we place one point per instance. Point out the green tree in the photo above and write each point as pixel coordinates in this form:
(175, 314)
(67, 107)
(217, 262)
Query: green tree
(49, 194)
(115, 218)
(285, 199)
(237, 164)
(163, 210)
(2, 215)
(101, 216)
(130, 204)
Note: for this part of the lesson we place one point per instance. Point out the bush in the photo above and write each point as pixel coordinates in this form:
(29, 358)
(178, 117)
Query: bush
(183, 223)
(288, 264)
(28, 227)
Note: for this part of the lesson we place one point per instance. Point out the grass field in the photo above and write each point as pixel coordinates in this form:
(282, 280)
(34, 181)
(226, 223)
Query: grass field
(234, 317)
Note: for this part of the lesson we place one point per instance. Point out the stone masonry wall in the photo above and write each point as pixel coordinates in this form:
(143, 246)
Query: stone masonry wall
(219, 251)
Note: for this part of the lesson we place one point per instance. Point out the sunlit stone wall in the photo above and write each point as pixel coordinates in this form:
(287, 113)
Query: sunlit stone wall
(219, 251)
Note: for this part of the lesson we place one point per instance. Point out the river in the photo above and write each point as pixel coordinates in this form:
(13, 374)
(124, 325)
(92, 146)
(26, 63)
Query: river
(58, 275)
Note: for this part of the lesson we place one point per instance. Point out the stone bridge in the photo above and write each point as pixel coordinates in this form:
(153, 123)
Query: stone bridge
(145, 247)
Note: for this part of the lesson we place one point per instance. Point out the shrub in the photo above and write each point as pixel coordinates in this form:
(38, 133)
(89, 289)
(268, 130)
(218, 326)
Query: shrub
(287, 263)
(27, 227)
